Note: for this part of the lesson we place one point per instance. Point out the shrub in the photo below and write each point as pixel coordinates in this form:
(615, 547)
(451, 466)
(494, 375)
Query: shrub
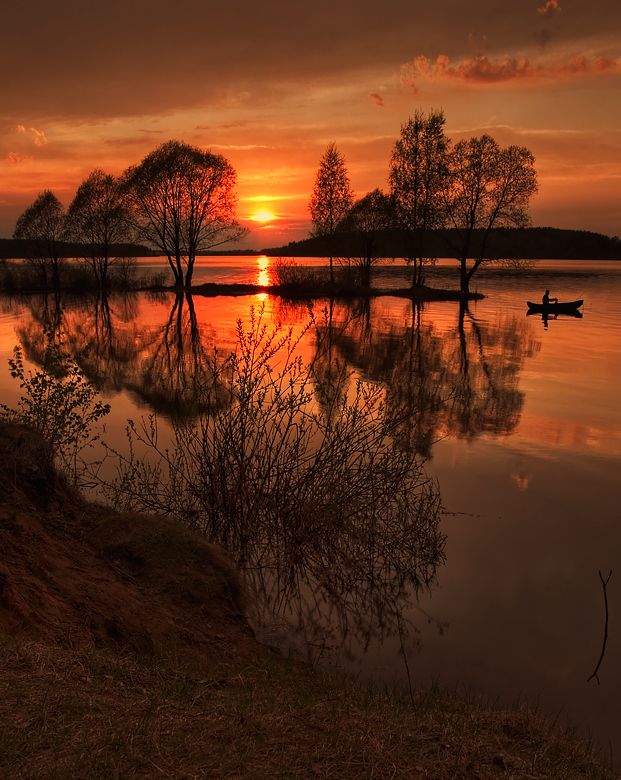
(58, 403)
(296, 491)
(287, 273)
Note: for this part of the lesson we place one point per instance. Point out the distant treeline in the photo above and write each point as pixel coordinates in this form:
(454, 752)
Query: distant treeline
(13, 248)
(504, 243)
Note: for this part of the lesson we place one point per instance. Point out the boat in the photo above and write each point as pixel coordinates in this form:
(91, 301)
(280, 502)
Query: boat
(568, 307)
(546, 314)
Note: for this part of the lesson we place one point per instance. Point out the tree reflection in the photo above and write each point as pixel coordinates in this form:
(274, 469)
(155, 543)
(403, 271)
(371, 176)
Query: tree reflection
(462, 381)
(167, 367)
(178, 375)
(104, 339)
(330, 371)
(44, 325)
(344, 585)
(325, 562)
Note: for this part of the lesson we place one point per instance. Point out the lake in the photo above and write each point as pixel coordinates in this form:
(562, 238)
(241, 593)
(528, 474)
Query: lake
(517, 419)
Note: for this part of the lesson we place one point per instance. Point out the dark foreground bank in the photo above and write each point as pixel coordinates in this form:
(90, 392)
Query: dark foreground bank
(124, 652)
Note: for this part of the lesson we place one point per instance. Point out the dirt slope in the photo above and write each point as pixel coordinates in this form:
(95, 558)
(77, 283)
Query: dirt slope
(73, 571)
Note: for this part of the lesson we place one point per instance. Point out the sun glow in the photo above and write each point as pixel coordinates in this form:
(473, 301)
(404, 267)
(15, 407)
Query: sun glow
(263, 216)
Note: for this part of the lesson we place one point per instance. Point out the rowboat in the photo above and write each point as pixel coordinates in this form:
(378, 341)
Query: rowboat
(546, 314)
(569, 307)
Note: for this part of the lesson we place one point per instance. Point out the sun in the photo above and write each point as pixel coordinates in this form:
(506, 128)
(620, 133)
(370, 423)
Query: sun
(263, 216)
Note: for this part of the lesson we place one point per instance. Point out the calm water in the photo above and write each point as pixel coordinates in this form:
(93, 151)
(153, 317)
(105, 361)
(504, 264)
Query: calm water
(520, 423)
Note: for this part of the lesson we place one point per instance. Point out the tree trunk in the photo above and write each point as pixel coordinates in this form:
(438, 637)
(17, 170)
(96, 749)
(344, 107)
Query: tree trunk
(417, 274)
(179, 273)
(189, 273)
(463, 346)
(55, 274)
(464, 278)
(104, 270)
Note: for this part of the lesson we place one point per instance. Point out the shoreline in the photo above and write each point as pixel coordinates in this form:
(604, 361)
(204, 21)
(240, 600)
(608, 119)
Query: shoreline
(131, 630)
(424, 293)
(291, 292)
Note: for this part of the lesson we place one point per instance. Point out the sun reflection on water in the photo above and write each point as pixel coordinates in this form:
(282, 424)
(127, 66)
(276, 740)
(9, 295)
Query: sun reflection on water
(263, 271)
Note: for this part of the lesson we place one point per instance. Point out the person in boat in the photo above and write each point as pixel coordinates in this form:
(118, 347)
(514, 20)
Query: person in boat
(546, 300)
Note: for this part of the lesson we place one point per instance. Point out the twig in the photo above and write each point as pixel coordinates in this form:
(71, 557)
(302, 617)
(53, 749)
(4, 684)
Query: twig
(601, 657)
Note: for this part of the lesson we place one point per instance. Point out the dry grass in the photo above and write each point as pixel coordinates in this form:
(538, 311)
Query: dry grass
(88, 712)
(76, 276)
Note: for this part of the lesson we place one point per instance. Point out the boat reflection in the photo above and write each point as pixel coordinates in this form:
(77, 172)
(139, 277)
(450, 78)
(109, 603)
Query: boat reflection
(547, 315)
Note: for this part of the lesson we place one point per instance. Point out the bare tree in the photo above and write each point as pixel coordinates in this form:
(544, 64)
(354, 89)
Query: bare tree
(417, 172)
(98, 218)
(488, 186)
(183, 202)
(332, 197)
(368, 218)
(43, 223)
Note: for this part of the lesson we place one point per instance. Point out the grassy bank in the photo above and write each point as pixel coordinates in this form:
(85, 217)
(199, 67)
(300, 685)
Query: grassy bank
(98, 713)
(124, 653)
(20, 276)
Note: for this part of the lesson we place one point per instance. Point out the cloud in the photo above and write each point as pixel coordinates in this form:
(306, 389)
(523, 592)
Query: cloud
(37, 136)
(549, 8)
(14, 158)
(139, 82)
(486, 70)
(240, 147)
(521, 480)
(377, 99)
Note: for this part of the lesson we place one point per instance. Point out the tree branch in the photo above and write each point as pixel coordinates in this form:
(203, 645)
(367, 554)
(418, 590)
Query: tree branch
(604, 582)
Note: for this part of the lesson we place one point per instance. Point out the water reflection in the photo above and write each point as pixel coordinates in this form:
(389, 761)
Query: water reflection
(176, 373)
(167, 366)
(460, 381)
(341, 585)
(540, 499)
(263, 271)
(338, 584)
(546, 316)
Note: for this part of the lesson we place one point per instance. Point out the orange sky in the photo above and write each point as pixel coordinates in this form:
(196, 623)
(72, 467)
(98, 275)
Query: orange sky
(270, 85)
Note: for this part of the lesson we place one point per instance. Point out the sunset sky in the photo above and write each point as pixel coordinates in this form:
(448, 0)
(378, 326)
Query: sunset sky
(269, 85)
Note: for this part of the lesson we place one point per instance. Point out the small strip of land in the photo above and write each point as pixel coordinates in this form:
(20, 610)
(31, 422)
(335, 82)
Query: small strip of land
(422, 293)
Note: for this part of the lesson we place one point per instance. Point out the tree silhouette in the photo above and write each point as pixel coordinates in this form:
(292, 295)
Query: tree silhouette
(98, 218)
(368, 218)
(332, 197)
(417, 172)
(43, 223)
(488, 186)
(183, 202)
